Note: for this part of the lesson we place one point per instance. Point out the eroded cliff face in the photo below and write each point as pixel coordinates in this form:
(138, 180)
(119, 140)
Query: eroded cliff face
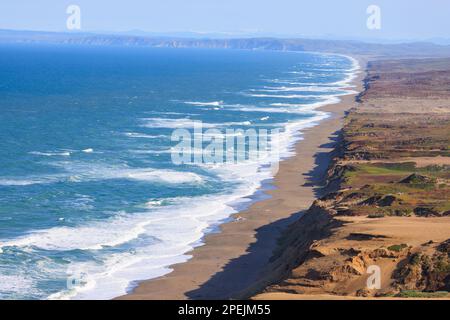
(389, 212)
(324, 253)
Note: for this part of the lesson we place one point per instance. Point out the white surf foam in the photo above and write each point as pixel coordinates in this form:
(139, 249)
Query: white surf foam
(166, 176)
(186, 123)
(27, 181)
(205, 104)
(76, 171)
(85, 171)
(309, 106)
(92, 237)
(279, 108)
(297, 89)
(174, 123)
(174, 230)
(15, 284)
(143, 135)
(287, 96)
(50, 154)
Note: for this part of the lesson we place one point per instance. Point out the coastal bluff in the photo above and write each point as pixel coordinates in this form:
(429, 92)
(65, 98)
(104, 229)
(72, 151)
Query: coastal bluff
(388, 200)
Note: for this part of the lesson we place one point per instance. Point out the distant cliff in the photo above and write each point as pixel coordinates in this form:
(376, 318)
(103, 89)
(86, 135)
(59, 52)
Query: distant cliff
(334, 46)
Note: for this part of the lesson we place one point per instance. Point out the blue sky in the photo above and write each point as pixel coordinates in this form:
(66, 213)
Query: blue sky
(401, 19)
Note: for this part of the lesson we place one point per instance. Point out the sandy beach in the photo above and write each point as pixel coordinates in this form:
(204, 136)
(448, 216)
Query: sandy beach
(233, 260)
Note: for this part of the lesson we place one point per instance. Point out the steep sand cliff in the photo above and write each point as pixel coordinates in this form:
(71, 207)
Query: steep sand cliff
(389, 199)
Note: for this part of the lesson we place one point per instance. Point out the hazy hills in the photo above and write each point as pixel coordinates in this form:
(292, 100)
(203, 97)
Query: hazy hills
(416, 49)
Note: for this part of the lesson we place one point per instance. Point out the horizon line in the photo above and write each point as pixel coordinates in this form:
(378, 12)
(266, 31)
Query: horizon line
(222, 35)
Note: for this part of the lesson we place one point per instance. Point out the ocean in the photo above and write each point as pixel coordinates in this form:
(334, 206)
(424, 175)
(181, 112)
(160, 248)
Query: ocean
(91, 200)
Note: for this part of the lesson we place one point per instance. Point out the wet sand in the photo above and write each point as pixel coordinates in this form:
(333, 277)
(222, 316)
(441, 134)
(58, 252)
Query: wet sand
(234, 259)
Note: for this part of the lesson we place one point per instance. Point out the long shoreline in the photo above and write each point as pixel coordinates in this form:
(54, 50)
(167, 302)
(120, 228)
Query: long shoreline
(231, 261)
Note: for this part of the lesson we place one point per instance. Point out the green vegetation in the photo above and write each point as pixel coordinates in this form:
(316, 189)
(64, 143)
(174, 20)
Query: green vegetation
(388, 136)
(397, 247)
(380, 189)
(376, 215)
(422, 294)
(442, 265)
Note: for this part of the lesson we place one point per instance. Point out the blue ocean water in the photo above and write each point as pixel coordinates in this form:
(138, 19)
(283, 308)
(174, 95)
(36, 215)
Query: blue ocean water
(90, 199)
